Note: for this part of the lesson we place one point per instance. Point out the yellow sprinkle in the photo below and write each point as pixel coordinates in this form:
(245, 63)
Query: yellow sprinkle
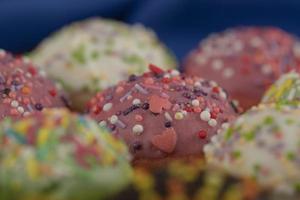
(178, 115)
(43, 135)
(32, 168)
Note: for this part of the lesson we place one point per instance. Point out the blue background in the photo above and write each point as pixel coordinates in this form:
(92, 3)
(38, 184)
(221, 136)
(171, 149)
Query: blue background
(179, 23)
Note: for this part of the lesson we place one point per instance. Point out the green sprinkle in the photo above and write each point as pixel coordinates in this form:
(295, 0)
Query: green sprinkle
(78, 54)
(297, 187)
(290, 121)
(249, 136)
(95, 55)
(290, 156)
(132, 59)
(228, 133)
(269, 120)
(236, 154)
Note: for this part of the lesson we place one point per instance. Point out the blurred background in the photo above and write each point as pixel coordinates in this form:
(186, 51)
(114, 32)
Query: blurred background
(178, 23)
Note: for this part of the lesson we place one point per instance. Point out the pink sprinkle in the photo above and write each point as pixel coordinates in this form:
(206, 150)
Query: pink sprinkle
(164, 95)
(119, 89)
(129, 97)
(197, 109)
(176, 107)
(14, 112)
(138, 118)
(149, 81)
(26, 101)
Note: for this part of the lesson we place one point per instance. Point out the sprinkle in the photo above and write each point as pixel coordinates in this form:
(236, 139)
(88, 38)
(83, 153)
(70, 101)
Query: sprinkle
(102, 123)
(157, 104)
(136, 102)
(205, 115)
(121, 124)
(212, 122)
(38, 106)
(114, 119)
(14, 104)
(141, 89)
(145, 106)
(119, 89)
(174, 73)
(137, 129)
(107, 107)
(20, 109)
(168, 116)
(223, 95)
(178, 115)
(138, 118)
(228, 73)
(266, 69)
(132, 78)
(137, 146)
(202, 134)
(125, 96)
(217, 64)
(166, 141)
(155, 69)
(195, 103)
(168, 124)
(197, 84)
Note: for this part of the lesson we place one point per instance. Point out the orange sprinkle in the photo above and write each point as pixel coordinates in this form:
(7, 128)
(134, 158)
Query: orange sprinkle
(26, 90)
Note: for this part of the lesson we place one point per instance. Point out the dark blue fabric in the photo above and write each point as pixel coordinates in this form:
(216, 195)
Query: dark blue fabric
(179, 23)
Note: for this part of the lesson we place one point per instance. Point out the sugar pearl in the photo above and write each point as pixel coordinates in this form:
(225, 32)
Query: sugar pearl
(178, 115)
(223, 95)
(197, 84)
(20, 109)
(107, 107)
(137, 129)
(14, 104)
(212, 122)
(174, 73)
(136, 102)
(195, 103)
(205, 115)
(102, 123)
(114, 119)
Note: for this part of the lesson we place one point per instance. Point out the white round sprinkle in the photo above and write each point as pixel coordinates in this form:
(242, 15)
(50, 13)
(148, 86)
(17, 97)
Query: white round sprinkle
(137, 129)
(228, 72)
(20, 109)
(195, 103)
(14, 104)
(107, 107)
(205, 115)
(174, 73)
(225, 125)
(223, 95)
(207, 148)
(167, 76)
(213, 83)
(217, 64)
(201, 60)
(136, 102)
(102, 123)
(256, 42)
(197, 84)
(114, 119)
(212, 122)
(266, 69)
(26, 114)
